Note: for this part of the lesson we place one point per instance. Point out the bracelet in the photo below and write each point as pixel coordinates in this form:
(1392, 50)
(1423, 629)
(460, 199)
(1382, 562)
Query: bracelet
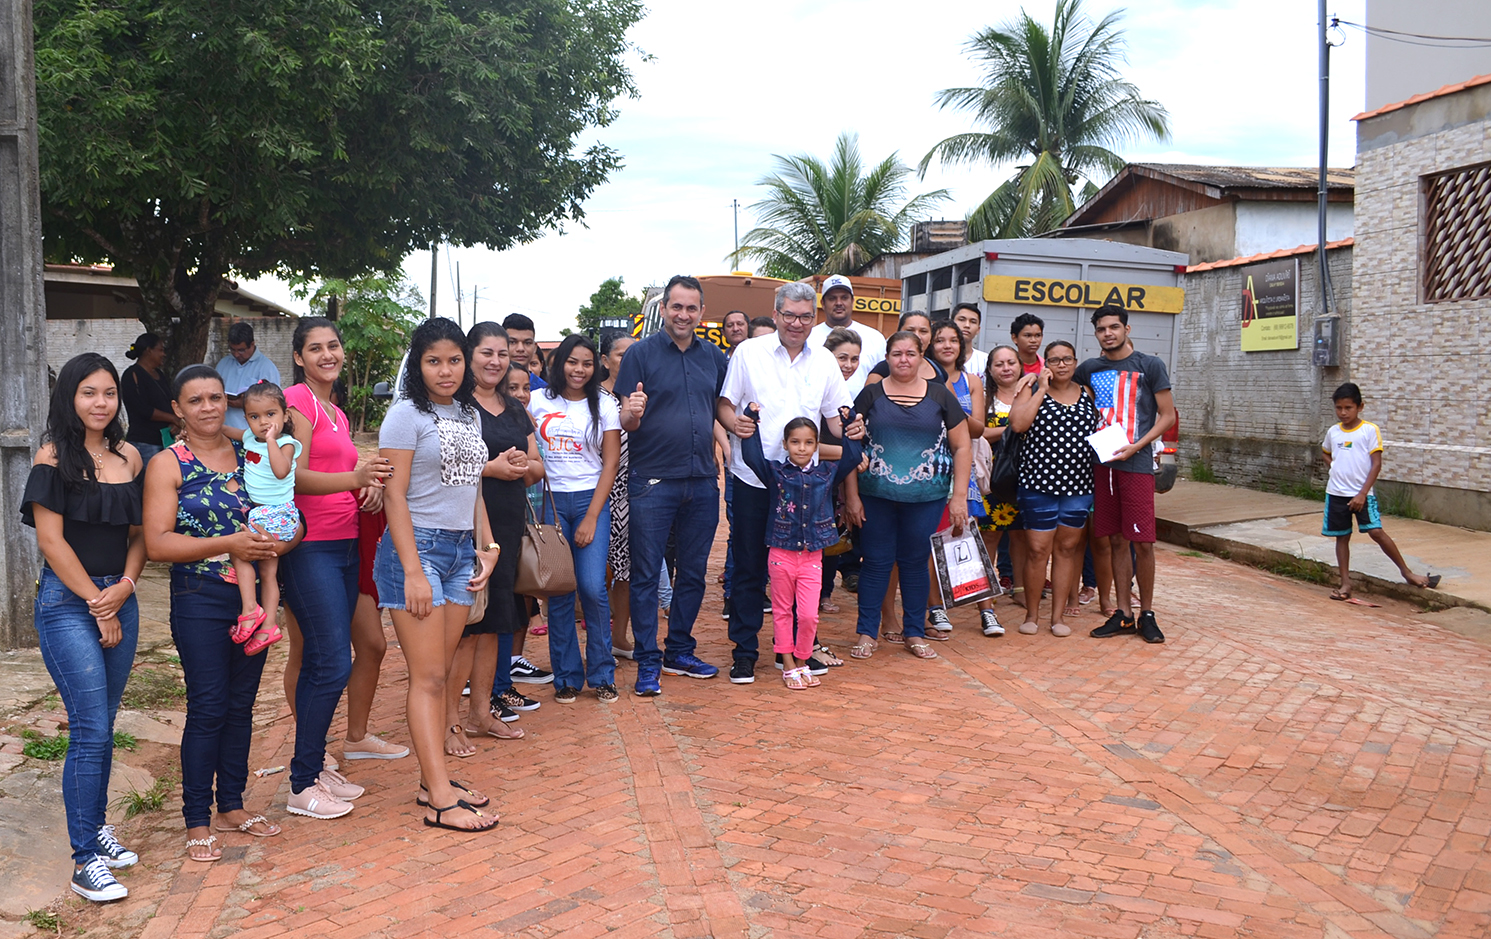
(494, 546)
(132, 585)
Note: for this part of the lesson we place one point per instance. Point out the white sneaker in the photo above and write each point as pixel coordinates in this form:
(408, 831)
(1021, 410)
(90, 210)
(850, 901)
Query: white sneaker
(373, 748)
(339, 786)
(314, 801)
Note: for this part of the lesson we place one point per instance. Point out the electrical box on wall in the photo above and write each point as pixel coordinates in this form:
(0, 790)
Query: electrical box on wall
(1326, 350)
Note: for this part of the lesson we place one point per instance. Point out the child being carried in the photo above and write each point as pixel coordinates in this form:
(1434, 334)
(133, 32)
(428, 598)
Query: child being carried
(269, 460)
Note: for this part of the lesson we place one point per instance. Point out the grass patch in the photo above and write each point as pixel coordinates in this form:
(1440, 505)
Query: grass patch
(124, 741)
(1303, 489)
(1398, 500)
(44, 748)
(1192, 554)
(153, 689)
(1201, 472)
(153, 799)
(45, 919)
(1300, 569)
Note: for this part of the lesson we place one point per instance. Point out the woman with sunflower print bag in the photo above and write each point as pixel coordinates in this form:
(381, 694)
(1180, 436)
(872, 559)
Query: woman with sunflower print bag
(1003, 380)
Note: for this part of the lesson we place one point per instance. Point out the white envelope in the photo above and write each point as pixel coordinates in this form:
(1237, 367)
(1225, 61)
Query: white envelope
(1108, 441)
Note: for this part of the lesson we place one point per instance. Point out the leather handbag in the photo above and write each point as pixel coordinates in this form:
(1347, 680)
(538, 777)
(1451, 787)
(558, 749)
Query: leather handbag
(546, 567)
(478, 610)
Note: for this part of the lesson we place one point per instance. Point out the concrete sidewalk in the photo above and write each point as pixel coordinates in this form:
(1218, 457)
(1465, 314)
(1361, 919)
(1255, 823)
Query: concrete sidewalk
(1262, 527)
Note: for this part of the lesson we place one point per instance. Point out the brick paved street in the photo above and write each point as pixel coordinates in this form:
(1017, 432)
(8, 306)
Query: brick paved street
(1283, 767)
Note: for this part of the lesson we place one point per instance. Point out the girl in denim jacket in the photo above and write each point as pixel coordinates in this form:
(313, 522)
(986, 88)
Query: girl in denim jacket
(800, 492)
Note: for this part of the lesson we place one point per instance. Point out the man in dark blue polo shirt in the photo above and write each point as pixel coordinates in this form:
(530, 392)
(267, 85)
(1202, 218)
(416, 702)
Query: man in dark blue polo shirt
(672, 380)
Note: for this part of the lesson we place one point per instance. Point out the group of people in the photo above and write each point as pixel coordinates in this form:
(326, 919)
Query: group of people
(845, 451)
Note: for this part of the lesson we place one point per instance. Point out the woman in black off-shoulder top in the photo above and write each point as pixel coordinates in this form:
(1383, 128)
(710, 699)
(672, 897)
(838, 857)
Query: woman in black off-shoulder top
(84, 499)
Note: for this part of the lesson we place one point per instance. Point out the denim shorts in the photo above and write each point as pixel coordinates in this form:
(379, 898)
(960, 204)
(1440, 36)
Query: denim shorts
(1042, 512)
(447, 557)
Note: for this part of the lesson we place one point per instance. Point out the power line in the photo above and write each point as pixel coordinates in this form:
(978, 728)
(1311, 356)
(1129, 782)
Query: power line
(1411, 39)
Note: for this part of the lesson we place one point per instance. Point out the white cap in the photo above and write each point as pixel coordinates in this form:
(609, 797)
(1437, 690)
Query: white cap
(838, 280)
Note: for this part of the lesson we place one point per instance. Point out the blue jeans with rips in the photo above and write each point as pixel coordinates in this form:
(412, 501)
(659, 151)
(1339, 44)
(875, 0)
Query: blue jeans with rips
(689, 508)
(598, 665)
(90, 680)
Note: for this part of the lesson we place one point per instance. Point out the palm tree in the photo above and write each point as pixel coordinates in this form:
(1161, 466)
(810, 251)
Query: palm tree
(1056, 100)
(831, 218)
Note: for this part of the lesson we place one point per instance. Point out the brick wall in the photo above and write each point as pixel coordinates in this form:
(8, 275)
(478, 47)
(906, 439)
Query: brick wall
(1423, 367)
(1256, 418)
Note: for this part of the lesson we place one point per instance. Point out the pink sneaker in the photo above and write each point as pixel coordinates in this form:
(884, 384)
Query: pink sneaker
(315, 802)
(338, 785)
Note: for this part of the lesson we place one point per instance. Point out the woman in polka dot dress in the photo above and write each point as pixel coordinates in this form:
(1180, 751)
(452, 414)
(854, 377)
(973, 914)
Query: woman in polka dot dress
(1055, 491)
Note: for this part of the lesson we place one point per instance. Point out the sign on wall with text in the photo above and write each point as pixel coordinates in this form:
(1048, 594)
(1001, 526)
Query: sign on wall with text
(1270, 306)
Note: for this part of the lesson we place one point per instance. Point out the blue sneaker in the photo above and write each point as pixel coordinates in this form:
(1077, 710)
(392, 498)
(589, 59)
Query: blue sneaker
(690, 665)
(648, 684)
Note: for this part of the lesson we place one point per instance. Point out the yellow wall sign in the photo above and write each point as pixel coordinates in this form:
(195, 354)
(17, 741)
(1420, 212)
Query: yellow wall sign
(889, 305)
(1042, 291)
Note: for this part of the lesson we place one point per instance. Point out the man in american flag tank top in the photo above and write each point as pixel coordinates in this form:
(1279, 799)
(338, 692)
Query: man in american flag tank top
(1132, 390)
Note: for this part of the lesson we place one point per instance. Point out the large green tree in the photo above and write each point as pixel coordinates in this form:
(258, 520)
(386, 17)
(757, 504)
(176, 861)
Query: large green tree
(609, 302)
(185, 139)
(1055, 100)
(832, 217)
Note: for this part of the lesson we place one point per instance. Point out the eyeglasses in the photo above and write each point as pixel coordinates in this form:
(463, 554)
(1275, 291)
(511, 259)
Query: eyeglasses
(797, 317)
(1064, 360)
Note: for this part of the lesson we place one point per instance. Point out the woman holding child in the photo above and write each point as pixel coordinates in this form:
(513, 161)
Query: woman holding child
(194, 517)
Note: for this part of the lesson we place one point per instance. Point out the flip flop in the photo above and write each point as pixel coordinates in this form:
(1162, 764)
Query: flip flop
(826, 655)
(1366, 603)
(460, 804)
(424, 800)
(1338, 595)
(263, 639)
(864, 648)
(518, 735)
(1433, 582)
(207, 843)
(248, 827)
(247, 624)
(920, 649)
(456, 730)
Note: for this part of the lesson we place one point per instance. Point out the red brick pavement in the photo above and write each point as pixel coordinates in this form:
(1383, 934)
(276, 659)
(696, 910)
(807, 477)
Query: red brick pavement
(1282, 767)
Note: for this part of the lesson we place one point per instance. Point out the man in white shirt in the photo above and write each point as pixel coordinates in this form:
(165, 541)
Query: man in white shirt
(968, 317)
(838, 310)
(244, 365)
(788, 377)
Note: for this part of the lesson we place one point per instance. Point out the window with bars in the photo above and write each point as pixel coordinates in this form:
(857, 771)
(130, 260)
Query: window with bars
(1457, 235)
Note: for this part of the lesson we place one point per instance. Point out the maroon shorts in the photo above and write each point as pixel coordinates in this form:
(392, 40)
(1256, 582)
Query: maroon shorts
(1123, 504)
(370, 527)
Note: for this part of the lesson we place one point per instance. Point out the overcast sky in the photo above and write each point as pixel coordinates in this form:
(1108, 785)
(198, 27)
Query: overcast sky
(731, 85)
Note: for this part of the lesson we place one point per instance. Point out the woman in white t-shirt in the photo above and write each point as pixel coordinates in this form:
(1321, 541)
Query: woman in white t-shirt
(580, 430)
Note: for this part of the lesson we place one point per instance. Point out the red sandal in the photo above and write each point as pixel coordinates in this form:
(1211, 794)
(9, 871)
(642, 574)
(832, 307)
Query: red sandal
(247, 624)
(262, 640)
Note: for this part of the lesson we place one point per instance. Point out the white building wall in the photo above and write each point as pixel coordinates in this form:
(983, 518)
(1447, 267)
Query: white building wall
(1270, 226)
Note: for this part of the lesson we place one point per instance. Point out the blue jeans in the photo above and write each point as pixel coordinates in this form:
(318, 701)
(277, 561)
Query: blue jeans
(730, 530)
(748, 587)
(90, 680)
(503, 679)
(320, 587)
(221, 685)
(690, 509)
(598, 665)
(664, 590)
(896, 533)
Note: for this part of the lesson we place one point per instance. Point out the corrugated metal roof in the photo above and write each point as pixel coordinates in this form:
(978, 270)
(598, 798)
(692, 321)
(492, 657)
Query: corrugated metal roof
(1437, 93)
(1203, 185)
(1254, 177)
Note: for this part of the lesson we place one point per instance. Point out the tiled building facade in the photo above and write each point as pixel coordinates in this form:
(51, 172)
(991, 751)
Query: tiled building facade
(1422, 294)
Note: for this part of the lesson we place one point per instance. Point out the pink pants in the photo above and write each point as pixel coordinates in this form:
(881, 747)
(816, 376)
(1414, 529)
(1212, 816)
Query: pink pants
(795, 575)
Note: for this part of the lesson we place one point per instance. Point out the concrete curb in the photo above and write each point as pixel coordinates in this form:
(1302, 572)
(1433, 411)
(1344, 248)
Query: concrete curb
(1176, 533)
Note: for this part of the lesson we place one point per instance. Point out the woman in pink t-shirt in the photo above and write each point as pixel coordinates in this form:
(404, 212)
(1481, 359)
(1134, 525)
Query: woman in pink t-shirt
(320, 576)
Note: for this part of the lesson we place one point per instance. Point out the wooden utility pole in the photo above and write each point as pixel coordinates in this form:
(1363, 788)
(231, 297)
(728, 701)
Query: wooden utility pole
(23, 318)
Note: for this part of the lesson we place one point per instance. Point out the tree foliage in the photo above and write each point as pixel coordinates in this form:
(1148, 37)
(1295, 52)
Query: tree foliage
(376, 315)
(183, 139)
(1054, 100)
(833, 217)
(610, 301)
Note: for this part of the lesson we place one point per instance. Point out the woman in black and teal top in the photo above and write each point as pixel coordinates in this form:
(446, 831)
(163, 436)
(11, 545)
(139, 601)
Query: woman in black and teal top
(919, 454)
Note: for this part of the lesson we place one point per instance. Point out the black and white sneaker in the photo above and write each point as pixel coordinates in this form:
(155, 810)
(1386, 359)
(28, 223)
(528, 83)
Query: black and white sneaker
(95, 882)
(937, 619)
(814, 666)
(990, 622)
(502, 712)
(742, 672)
(115, 855)
(526, 673)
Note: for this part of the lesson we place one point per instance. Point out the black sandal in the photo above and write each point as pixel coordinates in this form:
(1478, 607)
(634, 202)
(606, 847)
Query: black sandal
(454, 784)
(460, 804)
